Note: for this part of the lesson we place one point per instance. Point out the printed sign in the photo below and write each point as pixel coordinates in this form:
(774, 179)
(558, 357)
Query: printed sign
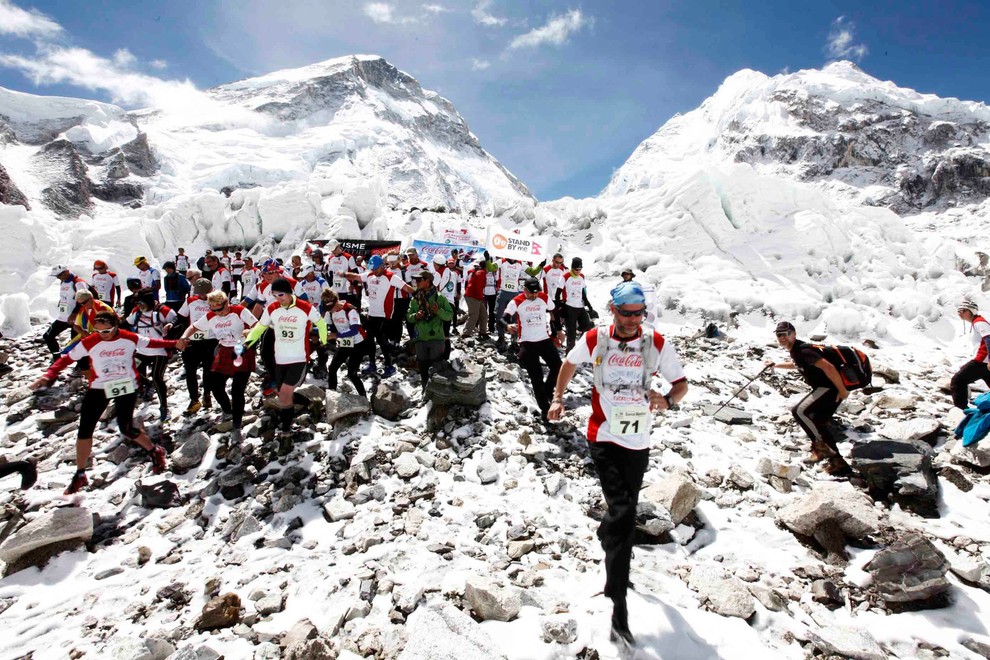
(357, 247)
(510, 245)
(427, 249)
(460, 238)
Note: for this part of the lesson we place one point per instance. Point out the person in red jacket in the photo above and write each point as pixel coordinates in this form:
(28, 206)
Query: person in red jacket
(474, 295)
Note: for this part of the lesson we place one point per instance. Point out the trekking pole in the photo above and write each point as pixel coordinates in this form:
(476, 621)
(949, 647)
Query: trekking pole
(744, 386)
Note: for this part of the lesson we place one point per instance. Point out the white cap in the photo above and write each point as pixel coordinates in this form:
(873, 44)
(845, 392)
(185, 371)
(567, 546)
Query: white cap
(333, 244)
(306, 270)
(58, 270)
(439, 259)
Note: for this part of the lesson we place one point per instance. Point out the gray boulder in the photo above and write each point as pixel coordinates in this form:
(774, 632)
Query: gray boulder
(924, 429)
(724, 593)
(443, 632)
(850, 509)
(911, 569)
(389, 402)
(729, 415)
(340, 405)
(676, 493)
(194, 653)
(491, 601)
(977, 455)
(900, 471)
(457, 384)
(847, 642)
(134, 648)
(52, 527)
(191, 452)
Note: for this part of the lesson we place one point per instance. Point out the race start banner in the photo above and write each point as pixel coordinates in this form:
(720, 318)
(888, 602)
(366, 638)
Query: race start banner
(359, 247)
(427, 249)
(508, 244)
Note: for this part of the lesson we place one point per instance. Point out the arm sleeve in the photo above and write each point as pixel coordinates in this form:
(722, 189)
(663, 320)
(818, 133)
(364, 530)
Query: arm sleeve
(256, 332)
(58, 366)
(446, 312)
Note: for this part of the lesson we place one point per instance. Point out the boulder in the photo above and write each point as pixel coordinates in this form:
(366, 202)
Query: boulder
(900, 471)
(462, 383)
(442, 632)
(220, 612)
(724, 593)
(340, 406)
(847, 642)
(652, 520)
(302, 631)
(406, 466)
(559, 631)
(195, 653)
(191, 452)
(491, 601)
(488, 469)
(338, 509)
(897, 402)
(924, 429)
(134, 648)
(389, 402)
(729, 415)
(52, 527)
(910, 570)
(161, 495)
(830, 500)
(676, 493)
(977, 455)
(770, 468)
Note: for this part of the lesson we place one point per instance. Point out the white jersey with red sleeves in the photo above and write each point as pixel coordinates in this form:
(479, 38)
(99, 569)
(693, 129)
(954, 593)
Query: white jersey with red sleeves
(341, 321)
(195, 308)
(225, 260)
(67, 296)
(152, 325)
(445, 280)
(508, 275)
(111, 359)
(623, 398)
(381, 292)
(249, 278)
(553, 279)
(573, 287)
(104, 284)
(291, 327)
(221, 277)
(491, 282)
(236, 266)
(981, 329)
(534, 316)
(263, 291)
(337, 266)
(228, 329)
(181, 263)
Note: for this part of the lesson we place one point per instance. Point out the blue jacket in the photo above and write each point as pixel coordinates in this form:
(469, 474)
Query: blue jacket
(976, 423)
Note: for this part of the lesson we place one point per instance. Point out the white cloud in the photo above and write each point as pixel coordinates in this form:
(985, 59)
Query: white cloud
(479, 65)
(158, 64)
(435, 9)
(481, 15)
(555, 33)
(381, 12)
(841, 41)
(124, 58)
(22, 23)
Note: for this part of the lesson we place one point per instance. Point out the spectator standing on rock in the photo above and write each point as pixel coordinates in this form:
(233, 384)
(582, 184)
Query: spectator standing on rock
(977, 368)
(814, 412)
(625, 358)
(429, 312)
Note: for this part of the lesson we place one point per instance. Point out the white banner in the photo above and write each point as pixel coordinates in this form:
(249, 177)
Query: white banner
(459, 237)
(510, 245)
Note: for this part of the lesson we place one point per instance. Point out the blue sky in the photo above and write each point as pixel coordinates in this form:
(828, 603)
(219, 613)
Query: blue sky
(559, 91)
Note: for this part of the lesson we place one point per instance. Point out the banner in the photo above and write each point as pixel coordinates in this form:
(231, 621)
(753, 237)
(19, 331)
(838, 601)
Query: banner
(358, 247)
(460, 238)
(427, 249)
(510, 245)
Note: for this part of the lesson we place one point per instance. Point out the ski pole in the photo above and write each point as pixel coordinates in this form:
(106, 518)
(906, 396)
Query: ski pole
(744, 386)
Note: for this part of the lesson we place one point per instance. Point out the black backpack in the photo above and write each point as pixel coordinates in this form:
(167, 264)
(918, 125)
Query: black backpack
(852, 364)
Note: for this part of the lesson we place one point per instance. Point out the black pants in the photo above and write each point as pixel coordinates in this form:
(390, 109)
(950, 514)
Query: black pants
(576, 320)
(157, 364)
(233, 404)
(620, 472)
(531, 354)
(970, 372)
(814, 412)
(51, 335)
(377, 328)
(395, 323)
(428, 353)
(352, 356)
(198, 355)
(491, 301)
(95, 402)
(266, 349)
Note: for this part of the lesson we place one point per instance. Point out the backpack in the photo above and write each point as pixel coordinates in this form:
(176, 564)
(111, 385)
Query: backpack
(852, 364)
(601, 348)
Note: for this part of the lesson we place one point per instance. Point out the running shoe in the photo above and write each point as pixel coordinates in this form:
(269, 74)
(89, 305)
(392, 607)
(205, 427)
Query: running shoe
(79, 481)
(157, 456)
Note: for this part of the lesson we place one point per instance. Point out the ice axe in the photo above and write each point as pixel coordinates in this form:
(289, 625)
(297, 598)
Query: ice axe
(744, 386)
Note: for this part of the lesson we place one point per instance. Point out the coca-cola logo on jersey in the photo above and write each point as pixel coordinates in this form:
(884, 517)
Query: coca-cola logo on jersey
(116, 352)
(625, 360)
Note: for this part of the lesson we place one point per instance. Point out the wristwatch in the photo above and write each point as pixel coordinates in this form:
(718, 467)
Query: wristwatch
(670, 404)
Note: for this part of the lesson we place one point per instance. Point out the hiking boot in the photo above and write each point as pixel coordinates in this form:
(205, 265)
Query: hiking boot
(207, 401)
(819, 452)
(370, 370)
(235, 436)
(157, 456)
(284, 443)
(163, 413)
(620, 624)
(193, 408)
(837, 467)
(79, 481)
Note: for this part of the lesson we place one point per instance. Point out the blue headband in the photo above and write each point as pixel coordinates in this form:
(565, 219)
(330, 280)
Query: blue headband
(628, 293)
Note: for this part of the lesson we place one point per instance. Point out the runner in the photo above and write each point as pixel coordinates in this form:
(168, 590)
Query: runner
(291, 320)
(339, 264)
(236, 270)
(382, 285)
(182, 262)
(446, 281)
(249, 277)
(474, 294)
(491, 291)
(394, 329)
(256, 300)
(150, 277)
(86, 309)
(527, 315)
(311, 284)
(296, 266)
(221, 278)
(177, 287)
(344, 323)
(574, 296)
(976, 369)
(227, 324)
(113, 376)
(428, 311)
(225, 259)
(133, 285)
(509, 272)
(621, 425)
(152, 320)
(199, 354)
(70, 284)
(106, 283)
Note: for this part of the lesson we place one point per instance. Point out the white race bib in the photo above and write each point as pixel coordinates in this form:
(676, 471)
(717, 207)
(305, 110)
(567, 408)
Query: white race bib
(119, 387)
(345, 342)
(63, 309)
(196, 336)
(290, 335)
(509, 286)
(630, 420)
(340, 284)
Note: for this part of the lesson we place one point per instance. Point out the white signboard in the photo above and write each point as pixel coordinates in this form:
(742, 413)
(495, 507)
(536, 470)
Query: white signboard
(510, 245)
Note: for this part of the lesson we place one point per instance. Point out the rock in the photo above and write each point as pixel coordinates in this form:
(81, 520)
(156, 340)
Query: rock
(517, 549)
(269, 604)
(406, 466)
(924, 429)
(57, 526)
(133, 648)
(488, 469)
(507, 375)
(490, 601)
(977, 455)
(18, 394)
(465, 386)
(191, 452)
(341, 405)
(161, 495)
(676, 493)
(826, 593)
(900, 471)
(440, 631)
(847, 642)
(240, 524)
(316, 649)
(889, 374)
(976, 647)
(770, 599)
(653, 520)
(956, 478)
(851, 510)
(389, 402)
(740, 478)
(729, 415)
(725, 594)
(559, 631)
(300, 632)
(896, 402)
(194, 653)
(911, 569)
(770, 468)
(220, 612)
(338, 509)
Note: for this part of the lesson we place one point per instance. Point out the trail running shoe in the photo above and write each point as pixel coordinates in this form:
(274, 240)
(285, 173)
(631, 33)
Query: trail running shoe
(193, 408)
(284, 443)
(389, 371)
(157, 456)
(370, 370)
(79, 481)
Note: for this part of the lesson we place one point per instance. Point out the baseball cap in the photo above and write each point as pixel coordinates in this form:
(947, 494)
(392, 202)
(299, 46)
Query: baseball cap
(439, 259)
(99, 263)
(375, 262)
(424, 275)
(202, 286)
(270, 266)
(532, 285)
(139, 260)
(58, 270)
(785, 326)
(333, 245)
(628, 293)
(306, 270)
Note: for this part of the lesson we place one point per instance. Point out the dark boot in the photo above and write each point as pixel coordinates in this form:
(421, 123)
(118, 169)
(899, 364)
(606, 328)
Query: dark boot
(620, 623)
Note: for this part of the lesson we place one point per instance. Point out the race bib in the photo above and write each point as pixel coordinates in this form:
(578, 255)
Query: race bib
(290, 335)
(63, 309)
(119, 387)
(345, 342)
(630, 420)
(510, 286)
(340, 284)
(196, 336)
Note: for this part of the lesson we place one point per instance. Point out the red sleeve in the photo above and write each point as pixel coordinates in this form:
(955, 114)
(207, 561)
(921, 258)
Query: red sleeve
(59, 365)
(160, 343)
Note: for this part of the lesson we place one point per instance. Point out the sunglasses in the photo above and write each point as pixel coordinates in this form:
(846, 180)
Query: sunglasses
(630, 313)
(782, 334)
(106, 331)
(218, 309)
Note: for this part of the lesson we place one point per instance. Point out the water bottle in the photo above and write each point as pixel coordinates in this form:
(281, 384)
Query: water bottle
(238, 354)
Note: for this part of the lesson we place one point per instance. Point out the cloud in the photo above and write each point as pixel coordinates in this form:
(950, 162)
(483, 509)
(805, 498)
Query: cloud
(479, 65)
(435, 9)
(124, 58)
(158, 64)
(841, 41)
(21, 23)
(555, 33)
(482, 17)
(381, 12)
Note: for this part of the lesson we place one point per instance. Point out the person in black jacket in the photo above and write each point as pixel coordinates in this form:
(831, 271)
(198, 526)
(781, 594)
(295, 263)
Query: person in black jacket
(815, 411)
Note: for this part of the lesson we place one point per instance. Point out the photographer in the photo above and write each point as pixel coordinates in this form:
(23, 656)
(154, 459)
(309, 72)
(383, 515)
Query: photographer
(428, 312)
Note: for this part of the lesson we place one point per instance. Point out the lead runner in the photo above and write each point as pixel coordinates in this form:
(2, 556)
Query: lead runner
(622, 404)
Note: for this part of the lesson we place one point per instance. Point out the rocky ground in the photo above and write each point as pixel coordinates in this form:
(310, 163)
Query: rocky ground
(444, 530)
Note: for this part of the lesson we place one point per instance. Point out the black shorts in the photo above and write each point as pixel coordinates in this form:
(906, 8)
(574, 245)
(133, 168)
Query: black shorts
(290, 374)
(95, 402)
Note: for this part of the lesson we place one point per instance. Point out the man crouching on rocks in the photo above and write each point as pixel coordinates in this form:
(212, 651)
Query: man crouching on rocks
(814, 412)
